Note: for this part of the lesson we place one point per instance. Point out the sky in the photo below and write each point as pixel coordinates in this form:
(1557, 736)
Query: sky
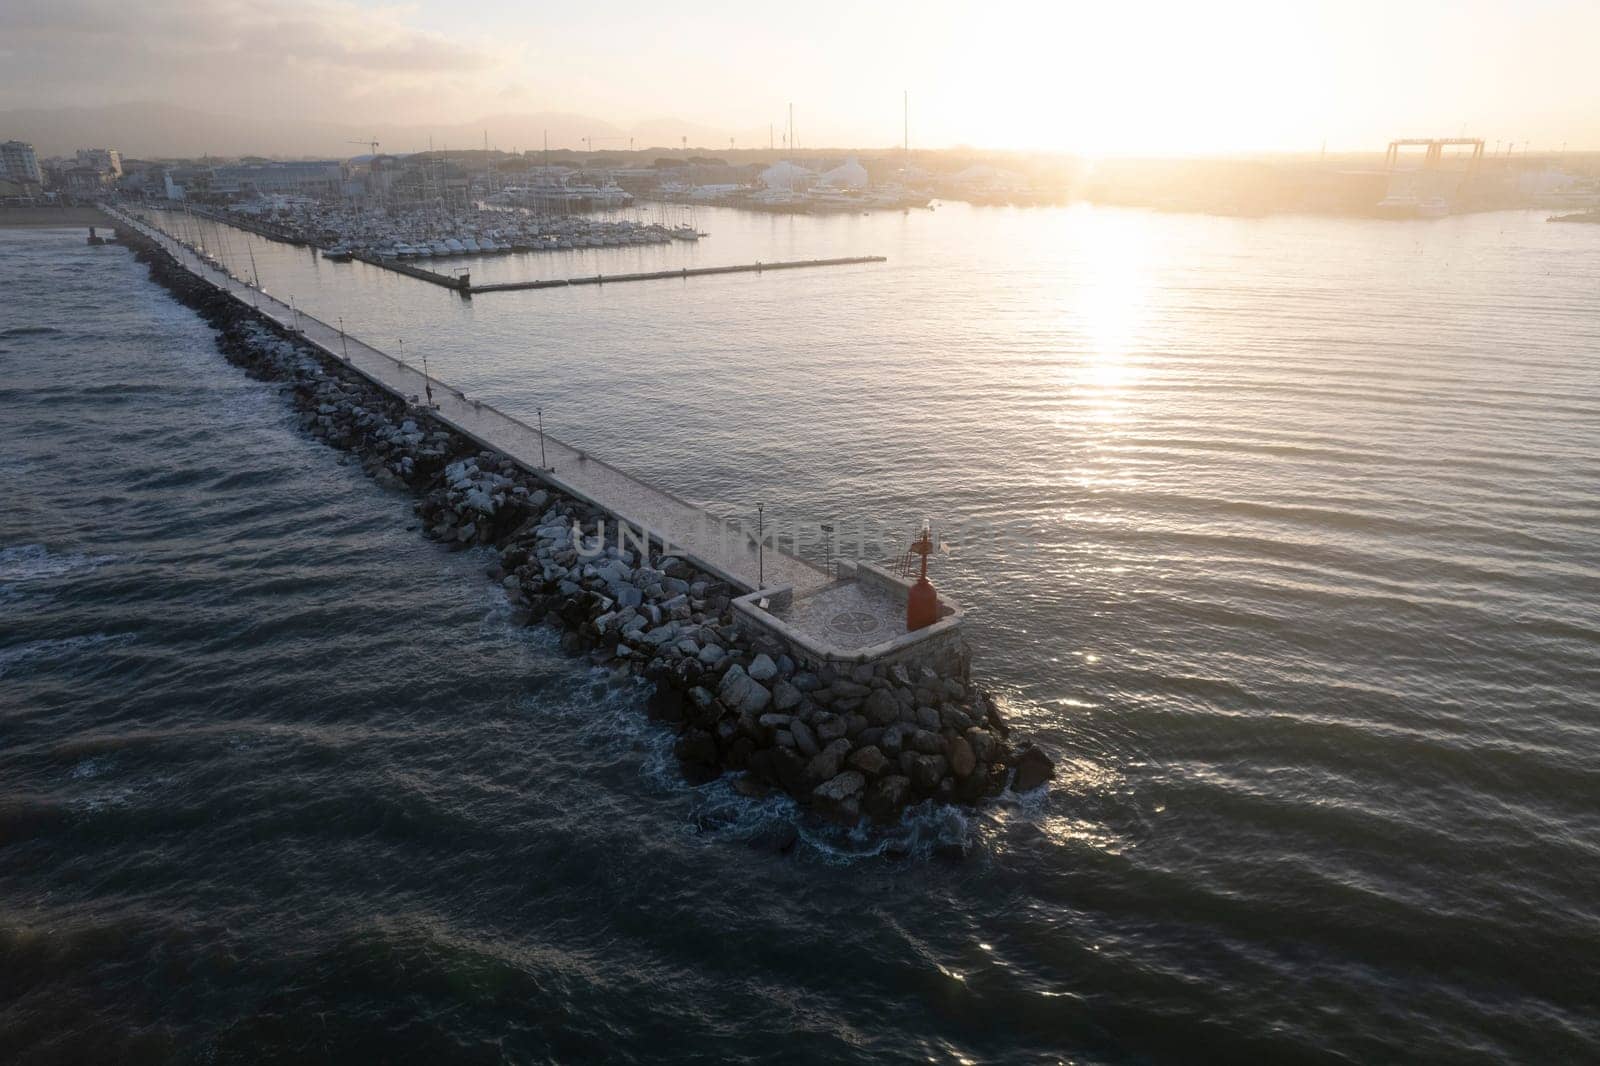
(1102, 78)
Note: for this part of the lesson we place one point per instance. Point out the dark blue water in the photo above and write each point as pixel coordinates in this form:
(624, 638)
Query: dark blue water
(281, 782)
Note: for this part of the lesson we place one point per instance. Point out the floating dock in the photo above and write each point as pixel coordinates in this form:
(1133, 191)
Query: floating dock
(460, 282)
(682, 272)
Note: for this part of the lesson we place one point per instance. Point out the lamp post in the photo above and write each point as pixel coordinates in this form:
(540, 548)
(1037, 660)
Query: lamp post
(543, 465)
(761, 545)
(344, 344)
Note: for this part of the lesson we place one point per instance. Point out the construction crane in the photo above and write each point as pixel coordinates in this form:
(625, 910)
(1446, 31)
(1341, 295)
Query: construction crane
(372, 166)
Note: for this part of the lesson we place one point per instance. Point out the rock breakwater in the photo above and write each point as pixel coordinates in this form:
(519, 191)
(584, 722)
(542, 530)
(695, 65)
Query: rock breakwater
(846, 740)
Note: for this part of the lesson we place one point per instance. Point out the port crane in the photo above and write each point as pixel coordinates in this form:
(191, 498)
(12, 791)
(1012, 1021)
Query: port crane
(1433, 158)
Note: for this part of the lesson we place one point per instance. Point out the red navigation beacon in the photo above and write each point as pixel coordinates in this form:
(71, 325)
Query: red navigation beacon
(922, 602)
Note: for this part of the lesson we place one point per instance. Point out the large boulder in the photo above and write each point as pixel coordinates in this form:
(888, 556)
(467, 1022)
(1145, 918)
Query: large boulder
(696, 749)
(785, 696)
(984, 745)
(840, 797)
(962, 760)
(893, 739)
(927, 770)
(868, 760)
(788, 767)
(742, 692)
(881, 707)
(804, 739)
(1034, 768)
(827, 763)
(613, 571)
(888, 796)
(830, 727)
(846, 689)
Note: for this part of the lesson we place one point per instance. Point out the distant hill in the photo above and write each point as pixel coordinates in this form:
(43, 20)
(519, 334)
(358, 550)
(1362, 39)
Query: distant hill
(151, 130)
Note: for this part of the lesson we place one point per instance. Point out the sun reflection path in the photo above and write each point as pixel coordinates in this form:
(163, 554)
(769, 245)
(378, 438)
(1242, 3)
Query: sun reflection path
(1108, 309)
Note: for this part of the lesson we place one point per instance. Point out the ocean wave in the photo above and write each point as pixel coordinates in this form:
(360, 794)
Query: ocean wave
(35, 562)
(35, 651)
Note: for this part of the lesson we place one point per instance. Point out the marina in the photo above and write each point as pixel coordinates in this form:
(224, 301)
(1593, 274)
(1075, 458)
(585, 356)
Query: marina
(343, 230)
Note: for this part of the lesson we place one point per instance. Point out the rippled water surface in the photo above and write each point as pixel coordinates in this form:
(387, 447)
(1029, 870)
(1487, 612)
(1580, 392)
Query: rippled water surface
(1293, 566)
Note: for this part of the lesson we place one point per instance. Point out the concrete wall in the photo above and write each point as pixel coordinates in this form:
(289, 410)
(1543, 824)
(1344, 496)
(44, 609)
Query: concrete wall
(941, 647)
(897, 587)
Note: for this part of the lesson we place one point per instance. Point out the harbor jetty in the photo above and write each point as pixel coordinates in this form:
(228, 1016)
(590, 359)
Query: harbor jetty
(462, 282)
(682, 272)
(745, 664)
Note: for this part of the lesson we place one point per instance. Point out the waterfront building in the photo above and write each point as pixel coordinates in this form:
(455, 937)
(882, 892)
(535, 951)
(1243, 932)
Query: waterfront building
(19, 163)
(86, 180)
(105, 160)
(317, 178)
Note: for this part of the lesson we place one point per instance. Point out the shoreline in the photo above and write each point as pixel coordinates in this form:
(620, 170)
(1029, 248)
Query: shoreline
(53, 217)
(847, 743)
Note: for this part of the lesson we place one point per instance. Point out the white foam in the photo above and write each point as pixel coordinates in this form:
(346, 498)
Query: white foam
(35, 562)
(93, 766)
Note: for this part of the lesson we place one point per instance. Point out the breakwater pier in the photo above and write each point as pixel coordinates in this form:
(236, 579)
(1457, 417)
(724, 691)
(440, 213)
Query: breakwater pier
(706, 540)
(462, 282)
(739, 639)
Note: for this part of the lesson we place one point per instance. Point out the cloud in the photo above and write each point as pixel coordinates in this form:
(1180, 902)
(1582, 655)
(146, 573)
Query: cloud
(327, 57)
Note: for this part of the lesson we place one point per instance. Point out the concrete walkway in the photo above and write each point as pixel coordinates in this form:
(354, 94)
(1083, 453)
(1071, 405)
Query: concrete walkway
(717, 547)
